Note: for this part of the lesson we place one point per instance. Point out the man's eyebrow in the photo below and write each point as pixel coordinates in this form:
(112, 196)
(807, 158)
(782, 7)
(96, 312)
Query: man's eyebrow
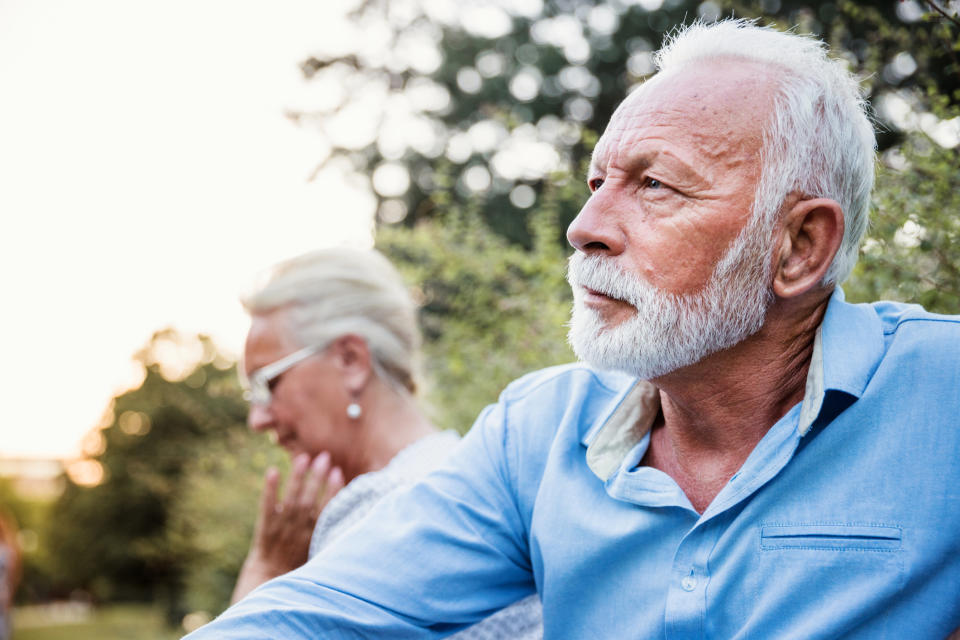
(594, 156)
(636, 160)
(680, 168)
(642, 157)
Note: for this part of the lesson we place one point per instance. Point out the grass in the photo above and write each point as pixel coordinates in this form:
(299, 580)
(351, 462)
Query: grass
(115, 622)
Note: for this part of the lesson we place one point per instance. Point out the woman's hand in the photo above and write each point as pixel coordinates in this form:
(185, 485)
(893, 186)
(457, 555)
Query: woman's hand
(281, 537)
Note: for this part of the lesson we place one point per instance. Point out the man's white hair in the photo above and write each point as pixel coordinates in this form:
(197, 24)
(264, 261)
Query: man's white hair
(818, 142)
(333, 292)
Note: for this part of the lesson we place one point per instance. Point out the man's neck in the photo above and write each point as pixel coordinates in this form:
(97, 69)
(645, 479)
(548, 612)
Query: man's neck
(714, 413)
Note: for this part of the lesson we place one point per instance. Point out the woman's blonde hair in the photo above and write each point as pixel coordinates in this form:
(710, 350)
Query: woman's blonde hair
(329, 293)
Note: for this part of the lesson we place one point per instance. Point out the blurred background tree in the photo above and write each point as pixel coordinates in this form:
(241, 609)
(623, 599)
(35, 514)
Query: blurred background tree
(479, 103)
(910, 253)
(490, 310)
(110, 531)
(210, 526)
(28, 516)
(472, 124)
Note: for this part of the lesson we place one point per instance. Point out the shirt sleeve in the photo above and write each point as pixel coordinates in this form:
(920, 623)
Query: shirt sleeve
(426, 561)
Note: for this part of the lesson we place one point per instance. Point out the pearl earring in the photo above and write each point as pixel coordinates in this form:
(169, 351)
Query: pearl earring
(353, 411)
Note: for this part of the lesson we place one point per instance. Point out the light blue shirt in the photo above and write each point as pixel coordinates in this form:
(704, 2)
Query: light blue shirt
(844, 522)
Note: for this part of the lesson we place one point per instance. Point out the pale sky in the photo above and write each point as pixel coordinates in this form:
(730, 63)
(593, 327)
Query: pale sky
(147, 173)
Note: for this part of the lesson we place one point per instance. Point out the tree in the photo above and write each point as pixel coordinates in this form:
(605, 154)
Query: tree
(108, 530)
(499, 95)
(496, 97)
(210, 524)
(910, 253)
(490, 311)
(901, 48)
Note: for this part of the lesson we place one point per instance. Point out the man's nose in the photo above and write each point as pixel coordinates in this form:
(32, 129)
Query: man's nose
(260, 418)
(595, 229)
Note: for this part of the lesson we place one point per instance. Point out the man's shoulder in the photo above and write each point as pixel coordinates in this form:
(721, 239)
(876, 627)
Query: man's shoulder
(568, 399)
(570, 380)
(897, 316)
(912, 327)
(550, 413)
(916, 344)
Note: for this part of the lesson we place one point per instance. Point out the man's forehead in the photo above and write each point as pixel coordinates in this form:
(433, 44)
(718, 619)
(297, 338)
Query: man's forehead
(716, 95)
(625, 119)
(725, 78)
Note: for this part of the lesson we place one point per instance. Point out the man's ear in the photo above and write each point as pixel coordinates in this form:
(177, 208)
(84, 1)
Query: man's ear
(809, 239)
(352, 356)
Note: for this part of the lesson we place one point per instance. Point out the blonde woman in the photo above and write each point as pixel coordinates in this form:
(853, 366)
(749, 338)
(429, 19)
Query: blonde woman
(331, 360)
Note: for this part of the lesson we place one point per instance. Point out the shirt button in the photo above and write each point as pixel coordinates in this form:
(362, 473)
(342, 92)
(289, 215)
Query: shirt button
(689, 583)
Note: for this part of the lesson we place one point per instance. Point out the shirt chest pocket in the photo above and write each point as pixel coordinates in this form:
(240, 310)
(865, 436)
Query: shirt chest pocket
(831, 537)
(829, 574)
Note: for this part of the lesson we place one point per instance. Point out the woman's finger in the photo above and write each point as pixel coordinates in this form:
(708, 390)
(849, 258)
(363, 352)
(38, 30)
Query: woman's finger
(295, 481)
(334, 484)
(314, 482)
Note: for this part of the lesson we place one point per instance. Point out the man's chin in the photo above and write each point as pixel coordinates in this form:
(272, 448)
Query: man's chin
(593, 341)
(612, 348)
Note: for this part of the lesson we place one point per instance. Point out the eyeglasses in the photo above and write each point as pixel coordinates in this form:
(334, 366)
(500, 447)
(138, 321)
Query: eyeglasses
(261, 379)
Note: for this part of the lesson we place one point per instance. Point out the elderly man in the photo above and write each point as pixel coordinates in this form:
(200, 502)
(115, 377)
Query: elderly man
(746, 455)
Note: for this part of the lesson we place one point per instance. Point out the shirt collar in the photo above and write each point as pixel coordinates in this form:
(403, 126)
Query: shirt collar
(612, 438)
(847, 349)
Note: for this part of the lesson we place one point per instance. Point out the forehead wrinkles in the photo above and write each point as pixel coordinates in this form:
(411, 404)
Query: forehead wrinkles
(637, 136)
(715, 117)
(619, 125)
(610, 144)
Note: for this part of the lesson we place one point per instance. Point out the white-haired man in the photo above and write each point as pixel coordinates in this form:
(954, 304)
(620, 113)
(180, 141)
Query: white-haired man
(746, 455)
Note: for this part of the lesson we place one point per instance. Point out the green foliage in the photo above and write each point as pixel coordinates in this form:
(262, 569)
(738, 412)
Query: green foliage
(29, 516)
(110, 539)
(578, 61)
(211, 524)
(551, 76)
(905, 52)
(490, 311)
(12, 504)
(911, 251)
(893, 46)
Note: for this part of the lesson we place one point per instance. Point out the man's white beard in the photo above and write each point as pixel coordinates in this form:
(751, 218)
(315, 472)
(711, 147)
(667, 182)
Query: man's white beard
(671, 331)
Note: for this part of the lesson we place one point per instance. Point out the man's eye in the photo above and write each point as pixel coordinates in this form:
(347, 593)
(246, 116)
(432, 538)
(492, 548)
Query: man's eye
(595, 183)
(273, 382)
(653, 183)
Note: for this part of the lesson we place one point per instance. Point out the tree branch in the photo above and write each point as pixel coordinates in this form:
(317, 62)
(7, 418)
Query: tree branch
(946, 15)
